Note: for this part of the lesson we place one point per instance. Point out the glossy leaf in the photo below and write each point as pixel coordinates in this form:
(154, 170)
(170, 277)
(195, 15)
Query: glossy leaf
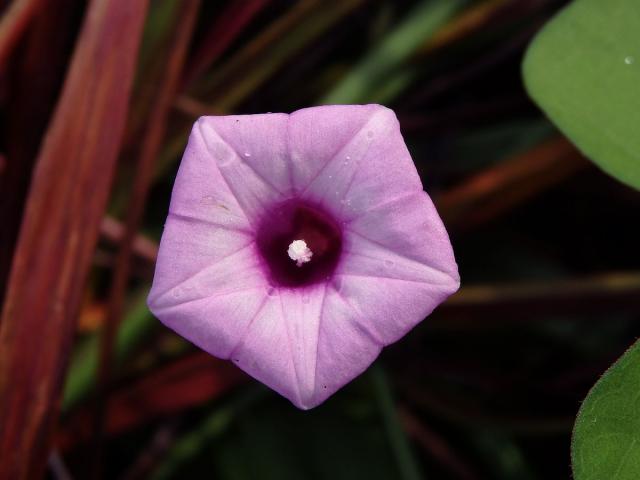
(606, 437)
(583, 70)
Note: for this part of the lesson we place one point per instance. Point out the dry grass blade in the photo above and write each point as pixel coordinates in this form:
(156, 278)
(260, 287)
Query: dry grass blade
(472, 19)
(12, 25)
(435, 446)
(227, 27)
(142, 181)
(270, 50)
(32, 89)
(498, 189)
(143, 247)
(256, 49)
(601, 293)
(63, 213)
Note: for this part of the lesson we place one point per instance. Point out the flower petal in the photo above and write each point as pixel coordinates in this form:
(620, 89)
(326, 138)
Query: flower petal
(345, 348)
(302, 312)
(372, 166)
(318, 135)
(263, 351)
(387, 308)
(398, 266)
(203, 249)
(254, 170)
(216, 323)
(201, 193)
(409, 227)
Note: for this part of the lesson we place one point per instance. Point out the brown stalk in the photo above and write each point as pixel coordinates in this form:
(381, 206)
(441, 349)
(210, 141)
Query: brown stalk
(236, 16)
(471, 20)
(153, 453)
(142, 182)
(500, 188)
(66, 202)
(435, 446)
(468, 411)
(605, 293)
(242, 61)
(268, 52)
(13, 24)
(184, 383)
(143, 247)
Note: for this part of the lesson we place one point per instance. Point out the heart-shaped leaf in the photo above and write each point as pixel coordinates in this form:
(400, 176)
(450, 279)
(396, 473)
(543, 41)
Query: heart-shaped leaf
(606, 437)
(583, 70)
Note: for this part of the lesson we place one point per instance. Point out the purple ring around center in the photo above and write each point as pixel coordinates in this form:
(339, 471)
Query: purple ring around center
(298, 220)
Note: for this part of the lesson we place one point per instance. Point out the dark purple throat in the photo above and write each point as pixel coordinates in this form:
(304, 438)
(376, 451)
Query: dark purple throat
(298, 220)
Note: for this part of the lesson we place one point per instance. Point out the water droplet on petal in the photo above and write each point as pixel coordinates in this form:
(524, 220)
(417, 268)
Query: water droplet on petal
(271, 292)
(347, 159)
(370, 134)
(247, 154)
(338, 283)
(629, 60)
(388, 263)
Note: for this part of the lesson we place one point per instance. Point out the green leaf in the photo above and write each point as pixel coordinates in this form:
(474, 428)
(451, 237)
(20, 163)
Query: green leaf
(606, 437)
(583, 69)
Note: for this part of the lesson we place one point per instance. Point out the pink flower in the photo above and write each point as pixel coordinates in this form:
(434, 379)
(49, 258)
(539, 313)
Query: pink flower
(299, 245)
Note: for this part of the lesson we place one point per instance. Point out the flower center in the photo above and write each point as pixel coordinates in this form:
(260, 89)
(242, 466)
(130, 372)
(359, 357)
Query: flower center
(299, 252)
(300, 244)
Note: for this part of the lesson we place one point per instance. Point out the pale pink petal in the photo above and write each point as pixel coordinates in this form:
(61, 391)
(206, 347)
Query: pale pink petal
(264, 352)
(317, 137)
(302, 312)
(408, 226)
(398, 266)
(252, 170)
(373, 166)
(200, 191)
(345, 348)
(203, 246)
(215, 323)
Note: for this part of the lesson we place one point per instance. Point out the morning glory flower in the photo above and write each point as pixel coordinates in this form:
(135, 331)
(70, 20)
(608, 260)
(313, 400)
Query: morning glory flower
(297, 246)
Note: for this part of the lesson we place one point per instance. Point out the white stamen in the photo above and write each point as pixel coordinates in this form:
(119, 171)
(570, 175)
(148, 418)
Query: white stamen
(299, 252)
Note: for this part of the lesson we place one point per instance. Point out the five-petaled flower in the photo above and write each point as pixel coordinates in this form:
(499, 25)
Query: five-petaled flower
(297, 246)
